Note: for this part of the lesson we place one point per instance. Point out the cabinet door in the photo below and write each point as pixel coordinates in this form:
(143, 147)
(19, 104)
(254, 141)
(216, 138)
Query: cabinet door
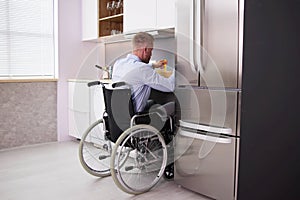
(97, 103)
(97, 108)
(79, 119)
(165, 14)
(89, 16)
(206, 166)
(139, 15)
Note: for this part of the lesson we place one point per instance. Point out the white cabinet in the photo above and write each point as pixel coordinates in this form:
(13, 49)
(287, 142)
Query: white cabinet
(165, 14)
(136, 15)
(96, 103)
(79, 108)
(89, 19)
(97, 21)
(139, 15)
(148, 15)
(86, 105)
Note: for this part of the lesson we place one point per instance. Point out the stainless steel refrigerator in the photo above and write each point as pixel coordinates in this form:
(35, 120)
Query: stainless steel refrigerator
(209, 72)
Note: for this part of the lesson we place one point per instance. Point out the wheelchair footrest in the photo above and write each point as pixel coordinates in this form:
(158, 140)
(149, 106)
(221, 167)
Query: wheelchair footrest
(128, 168)
(102, 157)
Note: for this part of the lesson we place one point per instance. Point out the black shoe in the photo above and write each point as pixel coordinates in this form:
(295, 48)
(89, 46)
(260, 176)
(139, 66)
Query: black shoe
(169, 172)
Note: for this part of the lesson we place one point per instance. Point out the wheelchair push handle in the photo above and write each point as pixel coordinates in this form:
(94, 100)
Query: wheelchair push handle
(114, 85)
(118, 84)
(93, 83)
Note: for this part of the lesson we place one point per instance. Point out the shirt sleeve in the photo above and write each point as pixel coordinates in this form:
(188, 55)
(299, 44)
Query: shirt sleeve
(152, 79)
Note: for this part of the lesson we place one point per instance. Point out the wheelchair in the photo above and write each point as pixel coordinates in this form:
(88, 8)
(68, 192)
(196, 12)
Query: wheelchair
(126, 145)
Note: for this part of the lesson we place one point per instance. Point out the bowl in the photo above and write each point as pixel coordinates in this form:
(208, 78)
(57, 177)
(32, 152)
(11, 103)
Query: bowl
(164, 72)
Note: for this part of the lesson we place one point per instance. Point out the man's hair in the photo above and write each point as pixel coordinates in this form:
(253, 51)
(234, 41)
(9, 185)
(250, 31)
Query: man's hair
(141, 40)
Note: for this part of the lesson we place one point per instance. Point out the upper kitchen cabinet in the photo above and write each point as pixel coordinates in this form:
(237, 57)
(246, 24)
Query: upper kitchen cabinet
(165, 14)
(101, 18)
(139, 15)
(143, 15)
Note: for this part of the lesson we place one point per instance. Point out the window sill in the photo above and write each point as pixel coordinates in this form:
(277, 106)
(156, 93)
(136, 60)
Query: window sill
(27, 80)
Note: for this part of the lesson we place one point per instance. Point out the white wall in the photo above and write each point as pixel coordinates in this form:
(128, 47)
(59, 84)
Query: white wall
(75, 58)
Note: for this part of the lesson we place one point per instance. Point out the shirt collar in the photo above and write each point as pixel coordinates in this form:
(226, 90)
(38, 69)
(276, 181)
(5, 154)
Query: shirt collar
(134, 57)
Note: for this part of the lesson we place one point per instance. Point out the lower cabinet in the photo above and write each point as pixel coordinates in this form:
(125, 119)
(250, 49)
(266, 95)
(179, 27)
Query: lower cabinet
(86, 105)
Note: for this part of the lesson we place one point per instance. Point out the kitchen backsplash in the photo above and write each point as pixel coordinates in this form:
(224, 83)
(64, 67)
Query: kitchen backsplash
(163, 49)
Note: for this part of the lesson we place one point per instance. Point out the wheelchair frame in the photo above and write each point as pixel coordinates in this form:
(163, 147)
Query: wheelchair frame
(138, 158)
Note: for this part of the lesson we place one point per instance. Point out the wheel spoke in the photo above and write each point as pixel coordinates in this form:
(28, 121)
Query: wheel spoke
(94, 151)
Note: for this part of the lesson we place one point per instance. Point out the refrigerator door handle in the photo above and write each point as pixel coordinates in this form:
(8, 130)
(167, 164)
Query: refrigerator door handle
(198, 34)
(220, 140)
(207, 128)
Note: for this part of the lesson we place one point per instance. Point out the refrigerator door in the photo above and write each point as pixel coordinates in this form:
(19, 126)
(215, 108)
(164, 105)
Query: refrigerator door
(207, 43)
(187, 72)
(205, 163)
(208, 106)
(220, 43)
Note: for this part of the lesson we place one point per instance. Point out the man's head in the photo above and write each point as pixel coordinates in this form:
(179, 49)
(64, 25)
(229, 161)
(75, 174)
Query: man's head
(142, 46)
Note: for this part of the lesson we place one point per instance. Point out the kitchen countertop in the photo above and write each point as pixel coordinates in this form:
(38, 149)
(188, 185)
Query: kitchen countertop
(90, 80)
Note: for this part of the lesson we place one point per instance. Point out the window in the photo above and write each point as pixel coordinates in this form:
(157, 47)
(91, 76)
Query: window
(28, 39)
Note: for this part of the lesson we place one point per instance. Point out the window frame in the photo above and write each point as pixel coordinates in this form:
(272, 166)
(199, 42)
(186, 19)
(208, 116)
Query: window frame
(41, 78)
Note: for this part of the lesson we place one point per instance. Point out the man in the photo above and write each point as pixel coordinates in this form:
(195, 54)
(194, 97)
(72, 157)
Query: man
(136, 71)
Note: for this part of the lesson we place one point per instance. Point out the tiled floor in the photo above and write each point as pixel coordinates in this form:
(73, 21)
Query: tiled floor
(53, 172)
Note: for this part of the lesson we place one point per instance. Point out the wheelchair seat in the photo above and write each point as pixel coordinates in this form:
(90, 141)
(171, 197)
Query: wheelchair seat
(120, 114)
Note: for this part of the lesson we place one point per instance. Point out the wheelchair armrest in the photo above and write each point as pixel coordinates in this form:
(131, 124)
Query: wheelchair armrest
(145, 114)
(138, 115)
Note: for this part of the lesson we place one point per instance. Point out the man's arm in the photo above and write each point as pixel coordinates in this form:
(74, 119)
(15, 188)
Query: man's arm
(152, 79)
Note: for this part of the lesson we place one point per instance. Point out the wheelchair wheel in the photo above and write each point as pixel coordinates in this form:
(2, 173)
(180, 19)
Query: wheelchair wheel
(95, 151)
(146, 162)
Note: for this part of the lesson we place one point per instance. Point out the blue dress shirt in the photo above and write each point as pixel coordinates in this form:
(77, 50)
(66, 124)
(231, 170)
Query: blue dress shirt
(142, 77)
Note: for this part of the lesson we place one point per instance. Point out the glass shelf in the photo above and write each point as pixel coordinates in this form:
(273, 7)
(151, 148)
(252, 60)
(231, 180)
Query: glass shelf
(112, 17)
(109, 24)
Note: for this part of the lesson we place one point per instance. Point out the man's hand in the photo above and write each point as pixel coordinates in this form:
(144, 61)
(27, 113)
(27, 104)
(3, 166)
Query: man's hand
(160, 64)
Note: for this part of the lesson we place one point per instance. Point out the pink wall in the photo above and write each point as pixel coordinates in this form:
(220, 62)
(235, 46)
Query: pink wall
(72, 53)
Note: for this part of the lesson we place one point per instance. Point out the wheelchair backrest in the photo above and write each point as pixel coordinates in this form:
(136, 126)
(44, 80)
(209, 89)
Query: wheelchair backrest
(119, 109)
